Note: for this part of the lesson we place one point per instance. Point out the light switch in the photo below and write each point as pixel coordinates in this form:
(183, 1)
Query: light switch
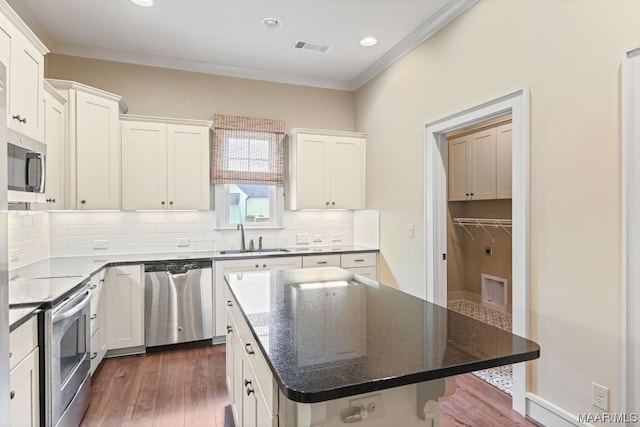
(411, 230)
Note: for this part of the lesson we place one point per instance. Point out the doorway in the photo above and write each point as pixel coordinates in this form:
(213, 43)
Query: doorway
(516, 104)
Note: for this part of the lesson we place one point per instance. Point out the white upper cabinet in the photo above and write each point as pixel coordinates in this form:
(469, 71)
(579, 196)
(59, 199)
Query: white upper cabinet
(93, 128)
(54, 136)
(326, 170)
(23, 56)
(165, 163)
(479, 165)
(504, 136)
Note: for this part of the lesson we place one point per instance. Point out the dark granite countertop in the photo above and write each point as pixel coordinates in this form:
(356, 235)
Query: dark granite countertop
(51, 280)
(327, 333)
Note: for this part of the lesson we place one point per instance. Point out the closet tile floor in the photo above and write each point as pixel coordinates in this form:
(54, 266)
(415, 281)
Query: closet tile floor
(501, 376)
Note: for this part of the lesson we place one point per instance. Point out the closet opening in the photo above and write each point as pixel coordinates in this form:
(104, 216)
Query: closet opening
(479, 223)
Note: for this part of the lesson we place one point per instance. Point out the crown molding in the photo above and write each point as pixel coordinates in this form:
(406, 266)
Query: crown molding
(166, 120)
(68, 84)
(439, 20)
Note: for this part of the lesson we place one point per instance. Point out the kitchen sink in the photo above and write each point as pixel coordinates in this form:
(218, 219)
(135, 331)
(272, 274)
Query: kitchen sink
(253, 251)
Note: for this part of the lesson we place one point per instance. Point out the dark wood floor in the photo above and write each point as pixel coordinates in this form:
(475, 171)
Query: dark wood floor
(187, 388)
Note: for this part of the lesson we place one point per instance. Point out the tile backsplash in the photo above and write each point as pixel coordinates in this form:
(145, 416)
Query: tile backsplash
(28, 237)
(86, 233)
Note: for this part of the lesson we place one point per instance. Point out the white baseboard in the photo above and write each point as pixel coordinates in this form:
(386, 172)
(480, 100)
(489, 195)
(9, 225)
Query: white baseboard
(548, 414)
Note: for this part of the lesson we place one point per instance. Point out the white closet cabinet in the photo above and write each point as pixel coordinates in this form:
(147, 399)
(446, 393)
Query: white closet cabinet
(479, 165)
(124, 307)
(165, 163)
(472, 166)
(23, 55)
(504, 136)
(326, 170)
(54, 137)
(93, 128)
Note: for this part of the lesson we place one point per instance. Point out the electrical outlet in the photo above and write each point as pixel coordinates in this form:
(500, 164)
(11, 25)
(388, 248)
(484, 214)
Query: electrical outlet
(488, 251)
(336, 238)
(317, 238)
(372, 404)
(302, 239)
(99, 244)
(600, 396)
(411, 229)
(182, 242)
(15, 255)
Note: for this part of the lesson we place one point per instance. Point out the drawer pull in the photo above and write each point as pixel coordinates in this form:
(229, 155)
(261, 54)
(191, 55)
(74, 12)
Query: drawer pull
(257, 265)
(229, 329)
(229, 303)
(93, 286)
(249, 391)
(10, 354)
(12, 394)
(249, 349)
(358, 260)
(93, 316)
(247, 382)
(94, 355)
(321, 262)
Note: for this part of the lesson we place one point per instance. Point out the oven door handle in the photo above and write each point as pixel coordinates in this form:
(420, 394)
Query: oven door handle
(76, 308)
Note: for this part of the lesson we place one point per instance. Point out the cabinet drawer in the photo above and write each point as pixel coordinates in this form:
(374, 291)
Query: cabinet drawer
(94, 350)
(22, 341)
(320, 261)
(367, 259)
(262, 374)
(368, 272)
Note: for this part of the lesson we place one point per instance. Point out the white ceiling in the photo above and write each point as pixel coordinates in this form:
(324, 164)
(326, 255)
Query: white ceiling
(226, 36)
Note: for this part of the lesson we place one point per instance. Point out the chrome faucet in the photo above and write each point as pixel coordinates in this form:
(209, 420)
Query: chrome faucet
(242, 244)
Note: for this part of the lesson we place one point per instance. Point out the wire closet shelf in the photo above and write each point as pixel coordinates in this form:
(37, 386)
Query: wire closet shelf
(484, 224)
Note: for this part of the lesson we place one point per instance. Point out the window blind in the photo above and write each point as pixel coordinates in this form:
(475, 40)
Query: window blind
(247, 150)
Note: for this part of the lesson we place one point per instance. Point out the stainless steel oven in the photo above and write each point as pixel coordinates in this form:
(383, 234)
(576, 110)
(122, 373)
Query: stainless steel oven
(67, 360)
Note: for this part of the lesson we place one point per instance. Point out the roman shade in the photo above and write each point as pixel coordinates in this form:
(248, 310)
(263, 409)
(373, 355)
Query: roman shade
(247, 150)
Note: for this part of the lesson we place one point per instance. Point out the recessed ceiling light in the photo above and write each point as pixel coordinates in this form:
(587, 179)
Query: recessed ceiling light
(271, 23)
(368, 41)
(143, 3)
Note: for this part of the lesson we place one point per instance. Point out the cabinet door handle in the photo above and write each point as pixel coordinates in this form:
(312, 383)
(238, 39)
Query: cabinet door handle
(20, 119)
(257, 265)
(264, 265)
(249, 349)
(229, 329)
(170, 203)
(249, 391)
(229, 303)
(333, 203)
(162, 203)
(93, 286)
(12, 394)
(83, 201)
(94, 355)
(247, 382)
(93, 316)
(327, 203)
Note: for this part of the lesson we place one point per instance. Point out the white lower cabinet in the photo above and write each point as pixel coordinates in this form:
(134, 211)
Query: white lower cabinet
(24, 375)
(124, 295)
(237, 266)
(252, 389)
(98, 328)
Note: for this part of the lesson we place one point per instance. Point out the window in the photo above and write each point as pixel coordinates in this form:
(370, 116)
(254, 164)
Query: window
(248, 171)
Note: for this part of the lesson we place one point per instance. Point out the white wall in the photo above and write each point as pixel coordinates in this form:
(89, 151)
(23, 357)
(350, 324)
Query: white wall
(568, 54)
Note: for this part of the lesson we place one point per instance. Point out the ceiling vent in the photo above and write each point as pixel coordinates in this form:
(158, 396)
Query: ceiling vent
(312, 46)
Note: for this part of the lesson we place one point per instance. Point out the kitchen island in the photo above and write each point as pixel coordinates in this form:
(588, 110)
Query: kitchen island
(324, 347)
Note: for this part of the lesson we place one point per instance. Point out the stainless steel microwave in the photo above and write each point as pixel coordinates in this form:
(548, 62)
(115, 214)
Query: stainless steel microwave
(26, 164)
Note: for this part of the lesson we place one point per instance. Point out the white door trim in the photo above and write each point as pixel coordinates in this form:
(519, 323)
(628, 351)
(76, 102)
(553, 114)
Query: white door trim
(630, 153)
(516, 103)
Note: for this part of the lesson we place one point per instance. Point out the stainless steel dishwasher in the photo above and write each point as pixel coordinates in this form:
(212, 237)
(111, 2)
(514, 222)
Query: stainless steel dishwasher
(178, 302)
